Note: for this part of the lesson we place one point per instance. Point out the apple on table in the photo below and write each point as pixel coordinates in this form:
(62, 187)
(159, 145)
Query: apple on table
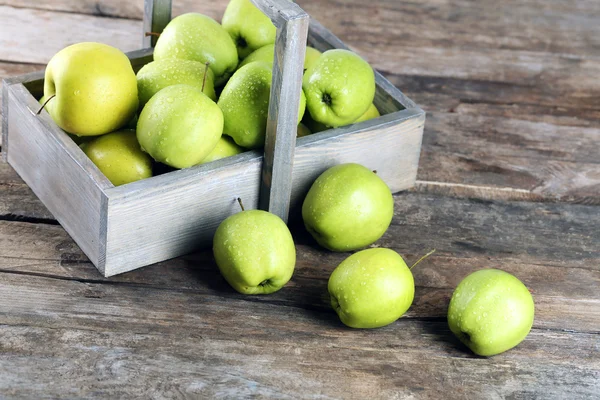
(491, 311)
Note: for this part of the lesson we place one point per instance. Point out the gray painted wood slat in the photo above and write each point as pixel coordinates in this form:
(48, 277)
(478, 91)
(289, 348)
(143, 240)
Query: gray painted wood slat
(286, 86)
(157, 14)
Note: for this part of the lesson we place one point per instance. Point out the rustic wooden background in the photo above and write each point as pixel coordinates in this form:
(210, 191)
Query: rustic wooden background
(509, 178)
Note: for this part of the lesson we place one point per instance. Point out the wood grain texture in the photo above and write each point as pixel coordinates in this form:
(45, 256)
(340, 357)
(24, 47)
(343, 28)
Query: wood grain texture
(284, 101)
(508, 62)
(56, 169)
(526, 239)
(17, 201)
(111, 343)
(13, 69)
(60, 30)
(186, 306)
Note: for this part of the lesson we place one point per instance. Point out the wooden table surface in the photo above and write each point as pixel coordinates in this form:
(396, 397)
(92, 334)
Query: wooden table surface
(509, 178)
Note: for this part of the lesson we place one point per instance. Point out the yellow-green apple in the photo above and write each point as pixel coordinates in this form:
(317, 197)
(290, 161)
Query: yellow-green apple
(245, 104)
(267, 54)
(339, 87)
(371, 288)
(371, 113)
(91, 89)
(225, 147)
(179, 126)
(348, 207)
(249, 27)
(119, 156)
(158, 75)
(255, 252)
(491, 311)
(197, 37)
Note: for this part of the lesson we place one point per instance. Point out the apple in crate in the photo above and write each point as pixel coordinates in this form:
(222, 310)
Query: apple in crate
(200, 38)
(90, 89)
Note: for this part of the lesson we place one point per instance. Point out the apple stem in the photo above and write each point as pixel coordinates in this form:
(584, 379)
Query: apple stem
(241, 204)
(204, 77)
(44, 105)
(422, 258)
(156, 34)
(375, 171)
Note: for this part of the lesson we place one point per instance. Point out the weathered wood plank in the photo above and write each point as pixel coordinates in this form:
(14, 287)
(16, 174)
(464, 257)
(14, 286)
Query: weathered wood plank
(183, 355)
(282, 121)
(534, 25)
(119, 340)
(104, 8)
(554, 162)
(38, 150)
(560, 265)
(16, 198)
(59, 30)
(12, 69)
(509, 24)
(532, 101)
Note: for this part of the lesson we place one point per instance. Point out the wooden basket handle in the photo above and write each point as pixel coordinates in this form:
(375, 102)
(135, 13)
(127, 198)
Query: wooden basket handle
(288, 67)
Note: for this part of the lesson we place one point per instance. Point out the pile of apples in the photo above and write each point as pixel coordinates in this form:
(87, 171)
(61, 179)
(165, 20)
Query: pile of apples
(205, 97)
(348, 208)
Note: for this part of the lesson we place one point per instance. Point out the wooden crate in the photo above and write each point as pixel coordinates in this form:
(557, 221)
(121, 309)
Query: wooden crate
(126, 227)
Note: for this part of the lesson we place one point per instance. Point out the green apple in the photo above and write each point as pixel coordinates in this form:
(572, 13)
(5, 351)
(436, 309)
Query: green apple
(200, 38)
(267, 54)
(491, 311)
(119, 156)
(371, 288)
(347, 208)
(245, 104)
(225, 147)
(313, 125)
(179, 126)
(249, 27)
(371, 113)
(303, 130)
(339, 87)
(255, 252)
(158, 75)
(94, 89)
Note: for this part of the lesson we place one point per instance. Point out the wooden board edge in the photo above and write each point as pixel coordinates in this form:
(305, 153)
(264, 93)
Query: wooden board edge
(103, 233)
(32, 130)
(181, 177)
(157, 14)
(75, 153)
(282, 120)
(280, 11)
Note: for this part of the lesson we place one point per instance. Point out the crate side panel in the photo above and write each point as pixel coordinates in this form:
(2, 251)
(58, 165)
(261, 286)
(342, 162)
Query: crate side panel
(64, 187)
(155, 222)
(155, 225)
